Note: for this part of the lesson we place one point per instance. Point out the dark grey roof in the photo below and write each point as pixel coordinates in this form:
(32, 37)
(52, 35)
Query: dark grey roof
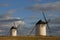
(41, 22)
(13, 27)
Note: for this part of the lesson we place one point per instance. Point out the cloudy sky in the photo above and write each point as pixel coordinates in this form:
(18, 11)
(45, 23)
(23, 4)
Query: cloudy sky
(30, 11)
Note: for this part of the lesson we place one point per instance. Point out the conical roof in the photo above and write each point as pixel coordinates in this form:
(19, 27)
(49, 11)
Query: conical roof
(13, 27)
(41, 22)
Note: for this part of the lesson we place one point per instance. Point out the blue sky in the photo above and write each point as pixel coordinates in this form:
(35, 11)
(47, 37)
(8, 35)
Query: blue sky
(19, 6)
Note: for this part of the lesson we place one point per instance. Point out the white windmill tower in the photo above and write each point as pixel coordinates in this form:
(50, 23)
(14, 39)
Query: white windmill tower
(13, 31)
(41, 28)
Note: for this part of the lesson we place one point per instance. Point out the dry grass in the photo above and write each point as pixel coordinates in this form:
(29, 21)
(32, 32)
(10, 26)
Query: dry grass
(28, 38)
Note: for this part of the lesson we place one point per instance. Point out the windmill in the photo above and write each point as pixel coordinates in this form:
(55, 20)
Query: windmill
(14, 29)
(43, 9)
(14, 23)
(46, 22)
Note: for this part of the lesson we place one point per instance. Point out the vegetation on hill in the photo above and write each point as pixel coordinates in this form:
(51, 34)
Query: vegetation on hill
(28, 38)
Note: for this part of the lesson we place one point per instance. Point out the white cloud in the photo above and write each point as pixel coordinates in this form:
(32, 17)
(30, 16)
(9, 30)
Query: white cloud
(54, 6)
(53, 15)
(1, 30)
(56, 20)
(11, 11)
(8, 14)
(11, 20)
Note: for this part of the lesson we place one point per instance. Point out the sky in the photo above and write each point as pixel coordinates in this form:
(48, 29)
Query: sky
(20, 6)
(30, 10)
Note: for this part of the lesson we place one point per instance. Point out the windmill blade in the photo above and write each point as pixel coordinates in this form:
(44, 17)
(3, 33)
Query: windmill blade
(44, 16)
(31, 30)
(9, 33)
(46, 22)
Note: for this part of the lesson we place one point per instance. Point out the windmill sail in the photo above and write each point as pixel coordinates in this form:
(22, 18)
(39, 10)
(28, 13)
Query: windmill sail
(46, 22)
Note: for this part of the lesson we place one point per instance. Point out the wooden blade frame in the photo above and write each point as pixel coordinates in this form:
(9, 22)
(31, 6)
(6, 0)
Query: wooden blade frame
(46, 22)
